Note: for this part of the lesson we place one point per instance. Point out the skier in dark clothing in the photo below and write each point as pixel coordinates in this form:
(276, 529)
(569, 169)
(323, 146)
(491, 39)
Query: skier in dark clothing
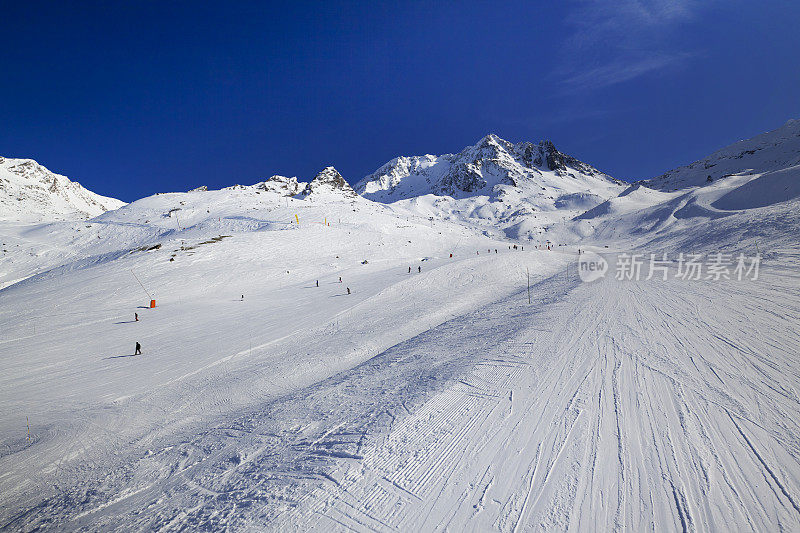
(409, 270)
(348, 290)
(136, 317)
(317, 283)
(138, 349)
(419, 269)
(340, 279)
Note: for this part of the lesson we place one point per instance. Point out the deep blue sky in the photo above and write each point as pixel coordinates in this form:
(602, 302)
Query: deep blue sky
(131, 98)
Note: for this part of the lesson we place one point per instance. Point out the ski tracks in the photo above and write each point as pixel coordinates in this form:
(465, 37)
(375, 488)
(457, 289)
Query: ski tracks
(627, 406)
(613, 406)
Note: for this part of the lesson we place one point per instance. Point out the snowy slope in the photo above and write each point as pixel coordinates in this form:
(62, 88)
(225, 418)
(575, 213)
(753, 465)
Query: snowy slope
(774, 150)
(197, 253)
(515, 189)
(437, 399)
(433, 396)
(635, 406)
(754, 176)
(30, 192)
(30, 249)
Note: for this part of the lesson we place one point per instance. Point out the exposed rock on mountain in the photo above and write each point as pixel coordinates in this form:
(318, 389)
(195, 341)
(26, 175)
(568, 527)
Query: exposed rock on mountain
(281, 185)
(520, 188)
(478, 170)
(329, 181)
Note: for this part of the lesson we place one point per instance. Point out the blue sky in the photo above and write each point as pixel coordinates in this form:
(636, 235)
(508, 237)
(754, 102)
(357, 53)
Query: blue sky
(133, 98)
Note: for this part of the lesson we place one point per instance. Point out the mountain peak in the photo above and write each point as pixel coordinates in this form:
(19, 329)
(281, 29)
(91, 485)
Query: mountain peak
(29, 191)
(484, 168)
(491, 140)
(329, 172)
(329, 180)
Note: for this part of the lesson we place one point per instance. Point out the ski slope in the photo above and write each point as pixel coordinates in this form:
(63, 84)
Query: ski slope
(616, 404)
(434, 396)
(68, 332)
(611, 409)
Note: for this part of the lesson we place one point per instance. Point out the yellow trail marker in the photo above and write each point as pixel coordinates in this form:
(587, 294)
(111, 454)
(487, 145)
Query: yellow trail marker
(297, 219)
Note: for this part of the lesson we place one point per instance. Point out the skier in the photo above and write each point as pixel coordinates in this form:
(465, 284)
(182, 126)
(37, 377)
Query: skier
(340, 279)
(419, 269)
(348, 290)
(409, 270)
(138, 349)
(495, 250)
(317, 283)
(242, 297)
(136, 317)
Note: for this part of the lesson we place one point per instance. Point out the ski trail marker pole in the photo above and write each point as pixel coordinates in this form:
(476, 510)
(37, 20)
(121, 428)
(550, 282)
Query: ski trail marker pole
(145, 290)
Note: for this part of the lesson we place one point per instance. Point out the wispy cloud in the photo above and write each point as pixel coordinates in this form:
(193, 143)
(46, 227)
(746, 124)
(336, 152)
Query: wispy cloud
(614, 41)
(621, 70)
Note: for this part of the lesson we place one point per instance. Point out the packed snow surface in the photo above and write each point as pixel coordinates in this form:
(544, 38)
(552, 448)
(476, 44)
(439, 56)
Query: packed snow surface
(430, 389)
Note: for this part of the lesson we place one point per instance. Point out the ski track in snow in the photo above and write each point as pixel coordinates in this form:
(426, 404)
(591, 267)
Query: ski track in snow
(600, 414)
(612, 405)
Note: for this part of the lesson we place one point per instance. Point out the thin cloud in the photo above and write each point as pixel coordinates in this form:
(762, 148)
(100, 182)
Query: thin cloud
(621, 70)
(612, 42)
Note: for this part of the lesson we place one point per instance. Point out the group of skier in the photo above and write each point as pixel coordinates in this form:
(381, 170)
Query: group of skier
(419, 270)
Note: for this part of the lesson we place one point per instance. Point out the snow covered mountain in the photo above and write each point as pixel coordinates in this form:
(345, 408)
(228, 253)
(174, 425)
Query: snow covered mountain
(32, 193)
(760, 176)
(519, 188)
(774, 150)
(328, 183)
(487, 168)
(281, 185)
